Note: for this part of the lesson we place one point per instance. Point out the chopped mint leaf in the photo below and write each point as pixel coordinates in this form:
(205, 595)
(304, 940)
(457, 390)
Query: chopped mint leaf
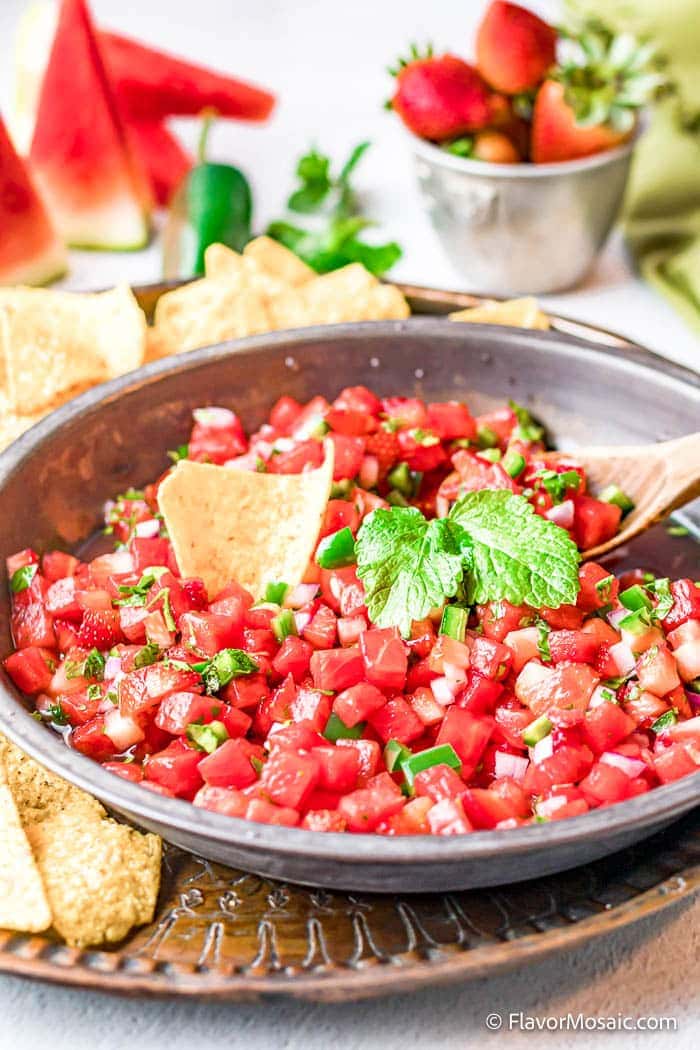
(516, 554)
(94, 666)
(147, 655)
(408, 565)
(661, 588)
(222, 668)
(543, 649)
(22, 578)
(57, 714)
(94, 692)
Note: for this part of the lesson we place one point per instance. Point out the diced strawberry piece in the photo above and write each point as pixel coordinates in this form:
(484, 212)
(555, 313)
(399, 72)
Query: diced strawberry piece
(686, 604)
(321, 631)
(99, 629)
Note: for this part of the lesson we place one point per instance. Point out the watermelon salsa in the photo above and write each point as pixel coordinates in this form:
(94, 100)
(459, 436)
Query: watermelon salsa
(311, 708)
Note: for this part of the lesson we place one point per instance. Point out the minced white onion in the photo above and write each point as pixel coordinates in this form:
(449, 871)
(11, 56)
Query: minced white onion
(513, 766)
(301, 621)
(147, 530)
(632, 767)
(548, 806)
(113, 666)
(301, 595)
(122, 730)
(443, 691)
(562, 514)
(623, 657)
(216, 417)
(544, 748)
(456, 676)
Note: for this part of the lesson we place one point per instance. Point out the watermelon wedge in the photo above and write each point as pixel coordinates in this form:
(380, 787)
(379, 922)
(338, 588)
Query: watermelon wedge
(164, 158)
(151, 84)
(81, 152)
(31, 252)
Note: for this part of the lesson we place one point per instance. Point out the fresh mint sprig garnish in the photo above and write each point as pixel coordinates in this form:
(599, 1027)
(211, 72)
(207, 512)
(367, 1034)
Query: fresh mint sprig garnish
(491, 547)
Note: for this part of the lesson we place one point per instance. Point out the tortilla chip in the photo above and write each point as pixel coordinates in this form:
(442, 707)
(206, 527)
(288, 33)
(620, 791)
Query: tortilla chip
(206, 312)
(101, 877)
(516, 313)
(278, 261)
(40, 795)
(223, 264)
(23, 903)
(227, 524)
(349, 294)
(53, 344)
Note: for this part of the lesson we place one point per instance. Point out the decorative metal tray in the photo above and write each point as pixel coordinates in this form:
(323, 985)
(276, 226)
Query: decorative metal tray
(225, 934)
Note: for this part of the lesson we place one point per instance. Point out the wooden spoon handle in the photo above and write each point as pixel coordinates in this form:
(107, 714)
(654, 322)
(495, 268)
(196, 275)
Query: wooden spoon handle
(682, 458)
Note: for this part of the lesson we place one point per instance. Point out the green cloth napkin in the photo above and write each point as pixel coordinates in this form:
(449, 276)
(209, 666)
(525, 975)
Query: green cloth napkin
(662, 206)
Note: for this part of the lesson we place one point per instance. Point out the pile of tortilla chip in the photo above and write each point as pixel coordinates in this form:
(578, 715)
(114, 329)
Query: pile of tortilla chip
(264, 289)
(54, 345)
(64, 863)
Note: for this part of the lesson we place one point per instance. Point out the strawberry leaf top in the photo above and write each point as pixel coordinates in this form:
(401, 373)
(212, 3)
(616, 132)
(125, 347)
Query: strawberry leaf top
(606, 76)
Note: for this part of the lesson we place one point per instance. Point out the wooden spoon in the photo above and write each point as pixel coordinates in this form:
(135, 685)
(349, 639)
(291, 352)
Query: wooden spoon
(657, 478)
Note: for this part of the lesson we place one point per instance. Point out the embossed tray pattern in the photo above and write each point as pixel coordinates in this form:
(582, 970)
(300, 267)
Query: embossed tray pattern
(227, 934)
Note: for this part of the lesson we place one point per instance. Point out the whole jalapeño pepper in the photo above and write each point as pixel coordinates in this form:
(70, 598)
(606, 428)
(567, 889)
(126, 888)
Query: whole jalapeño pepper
(212, 205)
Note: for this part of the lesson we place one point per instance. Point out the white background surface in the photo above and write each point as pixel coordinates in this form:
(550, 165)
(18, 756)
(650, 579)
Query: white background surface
(326, 60)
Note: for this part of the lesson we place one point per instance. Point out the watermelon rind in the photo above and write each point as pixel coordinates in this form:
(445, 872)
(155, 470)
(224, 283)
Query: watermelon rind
(45, 267)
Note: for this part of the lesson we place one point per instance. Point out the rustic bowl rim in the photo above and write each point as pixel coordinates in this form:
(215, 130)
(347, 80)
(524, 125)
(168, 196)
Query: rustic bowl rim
(657, 806)
(524, 170)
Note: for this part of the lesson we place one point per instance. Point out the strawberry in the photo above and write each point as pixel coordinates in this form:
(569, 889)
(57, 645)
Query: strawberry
(514, 48)
(589, 103)
(556, 135)
(383, 444)
(99, 629)
(440, 97)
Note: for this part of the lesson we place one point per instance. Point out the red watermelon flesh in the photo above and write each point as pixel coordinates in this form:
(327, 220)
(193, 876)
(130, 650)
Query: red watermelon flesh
(164, 158)
(31, 252)
(152, 85)
(81, 152)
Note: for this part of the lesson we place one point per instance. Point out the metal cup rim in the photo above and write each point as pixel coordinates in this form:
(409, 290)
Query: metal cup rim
(431, 153)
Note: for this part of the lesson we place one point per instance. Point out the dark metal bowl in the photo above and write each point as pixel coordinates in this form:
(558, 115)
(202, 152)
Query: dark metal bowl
(55, 479)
